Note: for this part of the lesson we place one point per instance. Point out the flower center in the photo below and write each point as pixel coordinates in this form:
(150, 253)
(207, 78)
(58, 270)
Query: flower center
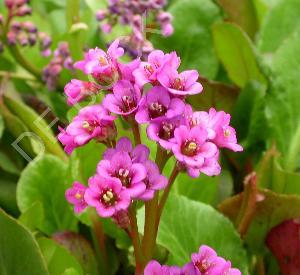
(227, 133)
(89, 126)
(156, 110)
(177, 84)
(189, 148)
(108, 198)
(203, 266)
(148, 69)
(123, 175)
(103, 61)
(128, 103)
(78, 196)
(166, 131)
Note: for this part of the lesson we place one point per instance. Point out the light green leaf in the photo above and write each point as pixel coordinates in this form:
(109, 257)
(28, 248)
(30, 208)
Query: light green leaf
(281, 21)
(204, 189)
(33, 217)
(95, 5)
(192, 38)
(186, 225)
(236, 52)
(71, 271)
(243, 13)
(8, 165)
(19, 252)
(283, 102)
(58, 258)
(44, 180)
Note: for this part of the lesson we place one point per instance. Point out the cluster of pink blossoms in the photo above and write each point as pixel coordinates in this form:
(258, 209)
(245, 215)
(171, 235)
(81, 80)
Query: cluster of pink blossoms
(205, 262)
(22, 33)
(126, 173)
(135, 14)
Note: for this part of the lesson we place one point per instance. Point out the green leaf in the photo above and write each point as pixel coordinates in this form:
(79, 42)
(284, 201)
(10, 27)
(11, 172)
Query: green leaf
(37, 125)
(57, 257)
(8, 165)
(95, 5)
(186, 225)
(44, 180)
(209, 190)
(282, 20)
(19, 252)
(71, 271)
(8, 195)
(236, 52)
(270, 211)
(243, 13)
(33, 217)
(283, 102)
(192, 38)
(80, 248)
(1, 125)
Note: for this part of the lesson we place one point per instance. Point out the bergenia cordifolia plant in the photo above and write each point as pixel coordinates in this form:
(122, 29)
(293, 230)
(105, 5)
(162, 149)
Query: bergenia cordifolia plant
(153, 93)
(141, 17)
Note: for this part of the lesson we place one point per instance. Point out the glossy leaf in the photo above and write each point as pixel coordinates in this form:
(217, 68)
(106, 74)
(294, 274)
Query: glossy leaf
(44, 180)
(19, 252)
(187, 224)
(236, 52)
(58, 258)
(243, 13)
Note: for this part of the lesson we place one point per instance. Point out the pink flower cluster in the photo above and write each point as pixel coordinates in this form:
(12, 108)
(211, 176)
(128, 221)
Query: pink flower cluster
(193, 137)
(205, 262)
(23, 33)
(135, 14)
(125, 174)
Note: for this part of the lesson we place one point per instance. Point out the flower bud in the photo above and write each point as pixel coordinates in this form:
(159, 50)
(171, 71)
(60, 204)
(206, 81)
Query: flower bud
(24, 10)
(29, 27)
(101, 15)
(22, 39)
(32, 39)
(11, 38)
(121, 218)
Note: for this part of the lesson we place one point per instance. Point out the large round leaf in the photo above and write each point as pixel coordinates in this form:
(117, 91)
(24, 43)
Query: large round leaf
(19, 252)
(44, 180)
(186, 225)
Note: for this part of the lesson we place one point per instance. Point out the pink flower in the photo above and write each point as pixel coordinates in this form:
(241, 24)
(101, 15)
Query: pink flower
(101, 65)
(125, 98)
(217, 125)
(75, 195)
(148, 71)
(92, 122)
(107, 195)
(163, 131)
(191, 146)
(182, 84)
(206, 261)
(130, 174)
(77, 90)
(210, 167)
(139, 154)
(157, 105)
(154, 181)
(154, 268)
